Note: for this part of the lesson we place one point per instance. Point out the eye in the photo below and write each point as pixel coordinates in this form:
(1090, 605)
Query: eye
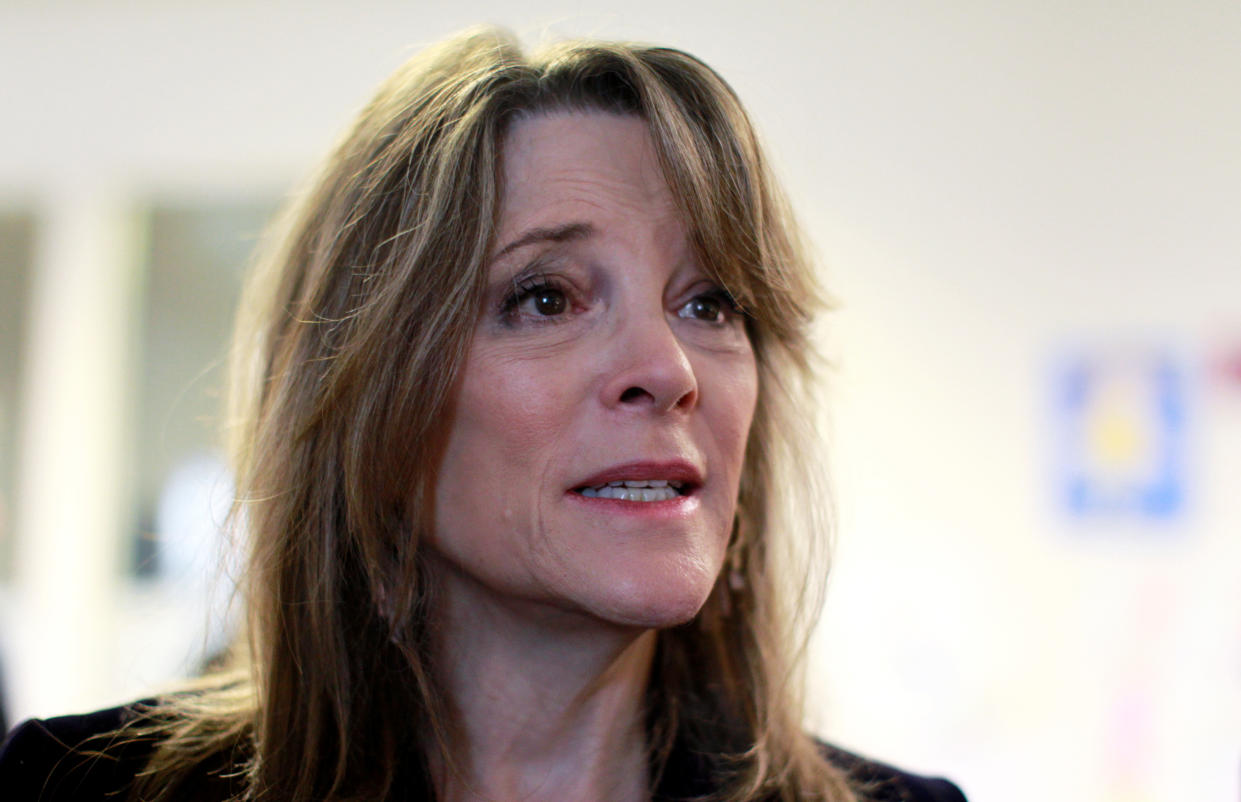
(547, 302)
(535, 297)
(710, 307)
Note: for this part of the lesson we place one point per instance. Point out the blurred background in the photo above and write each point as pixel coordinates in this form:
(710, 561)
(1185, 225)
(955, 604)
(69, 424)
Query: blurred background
(1029, 213)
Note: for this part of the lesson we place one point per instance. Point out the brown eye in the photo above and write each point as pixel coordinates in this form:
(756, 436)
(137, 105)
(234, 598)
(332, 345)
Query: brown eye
(704, 307)
(538, 299)
(549, 302)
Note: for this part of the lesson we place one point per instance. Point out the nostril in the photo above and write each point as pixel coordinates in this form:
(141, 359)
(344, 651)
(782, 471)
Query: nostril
(633, 394)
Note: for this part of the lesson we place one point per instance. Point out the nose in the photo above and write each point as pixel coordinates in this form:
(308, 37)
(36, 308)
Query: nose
(648, 368)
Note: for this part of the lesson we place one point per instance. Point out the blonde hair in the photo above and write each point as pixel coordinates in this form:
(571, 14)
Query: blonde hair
(347, 348)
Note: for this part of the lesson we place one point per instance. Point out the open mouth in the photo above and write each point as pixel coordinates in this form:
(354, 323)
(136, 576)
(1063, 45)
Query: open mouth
(637, 490)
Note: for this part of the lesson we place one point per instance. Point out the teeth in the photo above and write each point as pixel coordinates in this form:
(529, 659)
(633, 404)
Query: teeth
(641, 483)
(639, 493)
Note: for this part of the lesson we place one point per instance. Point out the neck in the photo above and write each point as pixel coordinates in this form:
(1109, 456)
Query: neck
(548, 704)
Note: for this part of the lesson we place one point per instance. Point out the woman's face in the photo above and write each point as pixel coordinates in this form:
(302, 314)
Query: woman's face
(604, 354)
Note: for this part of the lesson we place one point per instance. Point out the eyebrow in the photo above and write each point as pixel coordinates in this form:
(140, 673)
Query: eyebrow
(564, 233)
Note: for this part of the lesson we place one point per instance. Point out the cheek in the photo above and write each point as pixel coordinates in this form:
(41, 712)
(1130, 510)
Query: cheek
(510, 415)
(733, 411)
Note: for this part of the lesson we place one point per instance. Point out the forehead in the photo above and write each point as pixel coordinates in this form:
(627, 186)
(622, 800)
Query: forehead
(581, 164)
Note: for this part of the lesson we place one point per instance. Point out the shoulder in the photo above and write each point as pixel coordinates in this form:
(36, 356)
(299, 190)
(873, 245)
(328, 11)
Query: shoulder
(879, 782)
(72, 757)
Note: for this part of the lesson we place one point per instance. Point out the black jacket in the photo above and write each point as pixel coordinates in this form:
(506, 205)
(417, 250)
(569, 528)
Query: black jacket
(39, 760)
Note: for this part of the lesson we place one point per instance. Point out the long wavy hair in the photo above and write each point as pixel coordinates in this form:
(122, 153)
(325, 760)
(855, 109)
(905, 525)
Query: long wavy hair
(352, 333)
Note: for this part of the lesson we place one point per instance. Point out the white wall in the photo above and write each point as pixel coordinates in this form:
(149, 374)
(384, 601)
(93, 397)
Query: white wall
(989, 184)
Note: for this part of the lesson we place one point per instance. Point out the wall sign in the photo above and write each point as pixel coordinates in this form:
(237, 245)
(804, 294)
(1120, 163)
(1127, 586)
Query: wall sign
(1122, 421)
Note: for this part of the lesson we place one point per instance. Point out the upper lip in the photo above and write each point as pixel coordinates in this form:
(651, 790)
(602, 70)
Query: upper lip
(676, 470)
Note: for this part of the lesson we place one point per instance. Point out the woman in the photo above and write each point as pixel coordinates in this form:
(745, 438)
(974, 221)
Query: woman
(515, 437)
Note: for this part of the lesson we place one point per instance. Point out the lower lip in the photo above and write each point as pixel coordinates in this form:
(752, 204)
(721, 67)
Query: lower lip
(669, 508)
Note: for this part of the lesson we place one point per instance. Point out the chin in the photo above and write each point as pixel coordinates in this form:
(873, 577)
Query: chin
(656, 600)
